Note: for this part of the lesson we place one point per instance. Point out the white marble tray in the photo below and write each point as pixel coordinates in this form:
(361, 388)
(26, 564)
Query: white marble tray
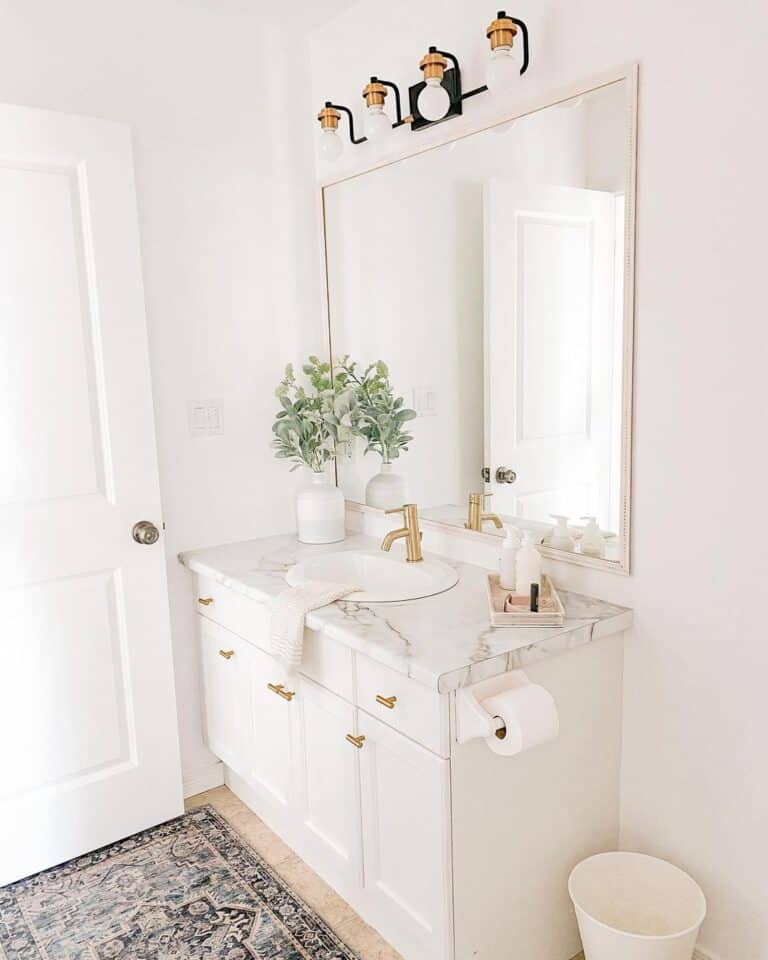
(551, 611)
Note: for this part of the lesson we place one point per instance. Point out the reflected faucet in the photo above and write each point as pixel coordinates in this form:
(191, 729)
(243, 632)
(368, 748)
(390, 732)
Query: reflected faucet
(410, 533)
(475, 516)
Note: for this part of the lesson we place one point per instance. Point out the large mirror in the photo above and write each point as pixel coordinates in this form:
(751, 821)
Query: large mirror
(493, 277)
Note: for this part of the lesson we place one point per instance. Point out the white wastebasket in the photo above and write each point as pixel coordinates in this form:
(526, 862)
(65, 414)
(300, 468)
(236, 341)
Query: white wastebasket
(633, 907)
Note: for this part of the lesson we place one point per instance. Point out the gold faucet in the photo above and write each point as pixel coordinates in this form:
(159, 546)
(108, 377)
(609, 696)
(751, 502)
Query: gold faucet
(410, 532)
(475, 516)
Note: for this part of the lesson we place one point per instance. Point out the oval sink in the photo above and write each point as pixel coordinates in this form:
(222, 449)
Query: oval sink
(382, 578)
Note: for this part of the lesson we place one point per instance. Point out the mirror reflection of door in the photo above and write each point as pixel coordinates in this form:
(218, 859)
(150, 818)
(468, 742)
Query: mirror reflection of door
(553, 314)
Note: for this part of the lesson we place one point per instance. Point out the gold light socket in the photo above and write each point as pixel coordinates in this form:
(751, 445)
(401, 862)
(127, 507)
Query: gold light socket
(501, 32)
(433, 65)
(374, 94)
(329, 118)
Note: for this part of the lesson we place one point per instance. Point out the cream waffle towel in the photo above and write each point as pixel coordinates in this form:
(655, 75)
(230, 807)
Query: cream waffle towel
(288, 612)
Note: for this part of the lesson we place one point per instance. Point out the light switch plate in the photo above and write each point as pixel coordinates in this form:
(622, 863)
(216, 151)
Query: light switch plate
(425, 401)
(206, 417)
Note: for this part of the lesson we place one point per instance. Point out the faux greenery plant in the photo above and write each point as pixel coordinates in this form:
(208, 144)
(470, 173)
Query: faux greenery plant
(377, 415)
(314, 419)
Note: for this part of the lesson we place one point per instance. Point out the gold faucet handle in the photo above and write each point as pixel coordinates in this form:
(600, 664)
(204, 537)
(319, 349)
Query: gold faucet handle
(396, 510)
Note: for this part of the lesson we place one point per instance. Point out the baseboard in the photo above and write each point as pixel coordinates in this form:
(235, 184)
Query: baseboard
(206, 778)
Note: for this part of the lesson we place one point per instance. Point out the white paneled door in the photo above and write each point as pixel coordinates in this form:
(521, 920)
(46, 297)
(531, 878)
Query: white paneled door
(552, 342)
(88, 737)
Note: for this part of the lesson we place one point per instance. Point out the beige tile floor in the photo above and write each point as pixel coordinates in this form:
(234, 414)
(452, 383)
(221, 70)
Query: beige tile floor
(337, 913)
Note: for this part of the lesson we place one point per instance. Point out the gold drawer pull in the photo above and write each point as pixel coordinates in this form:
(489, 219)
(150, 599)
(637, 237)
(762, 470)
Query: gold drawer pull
(205, 601)
(227, 654)
(280, 690)
(356, 741)
(388, 702)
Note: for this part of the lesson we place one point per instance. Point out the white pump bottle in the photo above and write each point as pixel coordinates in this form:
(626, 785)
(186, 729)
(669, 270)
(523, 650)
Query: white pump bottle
(528, 567)
(508, 560)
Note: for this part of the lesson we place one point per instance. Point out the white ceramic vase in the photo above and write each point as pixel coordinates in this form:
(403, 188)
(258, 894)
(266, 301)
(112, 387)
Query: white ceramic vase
(320, 511)
(386, 490)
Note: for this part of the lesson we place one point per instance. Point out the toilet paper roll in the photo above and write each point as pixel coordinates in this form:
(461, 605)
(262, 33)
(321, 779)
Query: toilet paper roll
(530, 717)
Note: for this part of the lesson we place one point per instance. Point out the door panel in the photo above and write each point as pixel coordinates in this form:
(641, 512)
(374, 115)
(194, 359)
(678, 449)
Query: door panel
(329, 792)
(406, 841)
(551, 334)
(88, 736)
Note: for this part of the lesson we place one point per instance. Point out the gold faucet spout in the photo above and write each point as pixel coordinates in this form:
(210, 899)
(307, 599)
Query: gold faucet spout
(475, 516)
(389, 539)
(410, 533)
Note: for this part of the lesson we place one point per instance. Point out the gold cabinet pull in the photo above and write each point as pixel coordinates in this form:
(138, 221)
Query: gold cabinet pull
(356, 741)
(280, 690)
(227, 654)
(388, 702)
(205, 601)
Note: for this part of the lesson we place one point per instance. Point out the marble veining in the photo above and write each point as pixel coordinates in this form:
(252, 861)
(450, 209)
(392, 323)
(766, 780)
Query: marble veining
(444, 641)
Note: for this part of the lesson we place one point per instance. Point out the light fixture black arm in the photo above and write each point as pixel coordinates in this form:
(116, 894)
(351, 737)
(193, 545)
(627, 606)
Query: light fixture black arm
(393, 86)
(526, 47)
(450, 56)
(338, 106)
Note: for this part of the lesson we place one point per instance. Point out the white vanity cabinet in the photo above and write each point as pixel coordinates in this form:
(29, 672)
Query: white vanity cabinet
(366, 805)
(449, 850)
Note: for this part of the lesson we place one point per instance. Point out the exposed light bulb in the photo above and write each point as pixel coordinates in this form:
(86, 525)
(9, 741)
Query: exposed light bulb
(434, 100)
(502, 70)
(377, 124)
(330, 144)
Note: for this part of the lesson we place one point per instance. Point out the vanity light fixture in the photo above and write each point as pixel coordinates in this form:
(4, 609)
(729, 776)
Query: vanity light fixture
(437, 97)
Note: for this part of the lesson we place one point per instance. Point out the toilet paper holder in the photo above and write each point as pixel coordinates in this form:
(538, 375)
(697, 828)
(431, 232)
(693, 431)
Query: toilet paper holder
(472, 720)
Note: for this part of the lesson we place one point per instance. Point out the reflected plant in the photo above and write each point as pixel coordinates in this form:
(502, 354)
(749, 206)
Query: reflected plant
(378, 416)
(315, 418)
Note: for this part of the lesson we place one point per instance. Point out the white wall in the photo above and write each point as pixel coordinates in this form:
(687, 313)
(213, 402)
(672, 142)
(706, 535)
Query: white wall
(227, 226)
(695, 781)
(422, 315)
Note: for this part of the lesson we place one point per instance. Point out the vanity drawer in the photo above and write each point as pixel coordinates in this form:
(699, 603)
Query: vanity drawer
(400, 702)
(325, 661)
(242, 615)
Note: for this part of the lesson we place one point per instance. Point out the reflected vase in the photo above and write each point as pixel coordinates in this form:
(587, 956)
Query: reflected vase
(320, 511)
(386, 490)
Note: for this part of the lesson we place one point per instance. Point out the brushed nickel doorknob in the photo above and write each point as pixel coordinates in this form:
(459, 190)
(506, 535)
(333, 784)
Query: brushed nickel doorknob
(145, 532)
(505, 475)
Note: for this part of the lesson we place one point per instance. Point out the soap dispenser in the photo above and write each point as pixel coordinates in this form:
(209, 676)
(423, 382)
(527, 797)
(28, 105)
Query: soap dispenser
(508, 560)
(560, 538)
(592, 540)
(528, 565)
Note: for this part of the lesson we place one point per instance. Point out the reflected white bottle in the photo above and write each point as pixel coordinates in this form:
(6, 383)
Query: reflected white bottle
(560, 538)
(592, 542)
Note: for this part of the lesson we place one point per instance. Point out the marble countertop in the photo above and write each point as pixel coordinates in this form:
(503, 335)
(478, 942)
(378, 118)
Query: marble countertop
(445, 641)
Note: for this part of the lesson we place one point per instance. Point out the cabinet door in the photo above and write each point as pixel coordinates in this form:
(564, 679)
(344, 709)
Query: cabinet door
(224, 658)
(270, 771)
(406, 841)
(329, 791)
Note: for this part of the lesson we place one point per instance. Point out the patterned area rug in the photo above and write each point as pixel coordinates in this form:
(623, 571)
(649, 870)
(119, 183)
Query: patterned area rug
(190, 888)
